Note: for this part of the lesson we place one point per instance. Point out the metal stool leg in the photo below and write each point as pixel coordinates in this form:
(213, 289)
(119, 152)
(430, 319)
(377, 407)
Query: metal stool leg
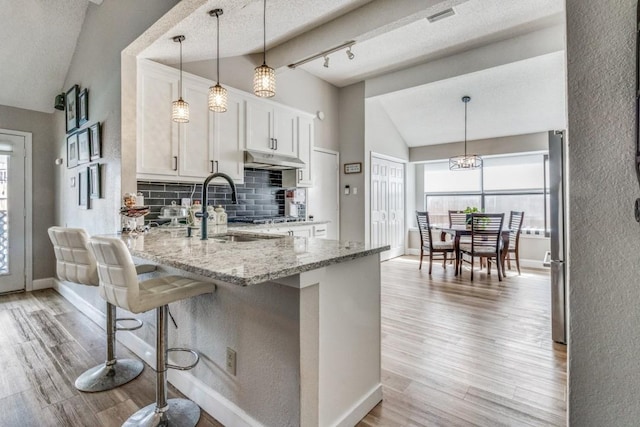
(113, 373)
(171, 412)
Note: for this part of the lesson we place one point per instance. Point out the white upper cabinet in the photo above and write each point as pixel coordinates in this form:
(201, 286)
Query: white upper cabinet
(229, 136)
(157, 134)
(304, 139)
(196, 155)
(270, 128)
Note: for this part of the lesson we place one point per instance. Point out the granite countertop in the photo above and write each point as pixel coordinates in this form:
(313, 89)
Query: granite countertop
(244, 263)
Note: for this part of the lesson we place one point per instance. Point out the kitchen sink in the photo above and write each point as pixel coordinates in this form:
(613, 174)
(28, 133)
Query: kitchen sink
(237, 238)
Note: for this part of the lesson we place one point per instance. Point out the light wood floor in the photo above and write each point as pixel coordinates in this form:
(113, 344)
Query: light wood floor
(453, 354)
(456, 353)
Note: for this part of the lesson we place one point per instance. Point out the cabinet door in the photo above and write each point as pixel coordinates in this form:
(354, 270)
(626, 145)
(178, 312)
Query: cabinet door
(285, 127)
(301, 231)
(259, 126)
(305, 146)
(229, 139)
(157, 134)
(196, 137)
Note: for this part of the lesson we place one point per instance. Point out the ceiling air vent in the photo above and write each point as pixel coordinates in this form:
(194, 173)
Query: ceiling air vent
(441, 15)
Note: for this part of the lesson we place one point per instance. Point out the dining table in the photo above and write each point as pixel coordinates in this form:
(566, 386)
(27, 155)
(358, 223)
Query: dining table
(458, 231)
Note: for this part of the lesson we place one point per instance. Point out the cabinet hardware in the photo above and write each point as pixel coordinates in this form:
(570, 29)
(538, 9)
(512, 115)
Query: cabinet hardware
(276, 140)
(212, 168)
(216, 162)
(271, 144)
(299, 175)
(175, 163)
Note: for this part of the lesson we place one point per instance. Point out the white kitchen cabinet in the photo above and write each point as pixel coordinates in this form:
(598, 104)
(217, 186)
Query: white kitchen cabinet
(229, 137)
(157, 134)
(271, 128)
(301, 177)
(186, 152)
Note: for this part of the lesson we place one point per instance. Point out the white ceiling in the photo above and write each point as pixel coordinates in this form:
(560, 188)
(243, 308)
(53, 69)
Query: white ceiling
(527, 96)
(38, 41)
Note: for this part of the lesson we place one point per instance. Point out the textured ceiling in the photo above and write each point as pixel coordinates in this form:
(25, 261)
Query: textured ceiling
(521, 97)
(241, 27)
(39, 38)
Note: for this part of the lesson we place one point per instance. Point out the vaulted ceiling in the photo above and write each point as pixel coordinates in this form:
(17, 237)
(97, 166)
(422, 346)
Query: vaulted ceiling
(521, 95)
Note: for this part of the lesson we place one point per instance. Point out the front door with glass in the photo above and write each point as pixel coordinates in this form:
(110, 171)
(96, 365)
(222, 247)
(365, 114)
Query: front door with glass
(12, 212)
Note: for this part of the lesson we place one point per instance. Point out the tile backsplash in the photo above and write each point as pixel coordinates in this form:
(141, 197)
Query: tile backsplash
(260, 195)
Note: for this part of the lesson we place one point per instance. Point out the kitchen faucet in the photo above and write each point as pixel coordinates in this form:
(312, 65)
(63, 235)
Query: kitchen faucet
(205, 214)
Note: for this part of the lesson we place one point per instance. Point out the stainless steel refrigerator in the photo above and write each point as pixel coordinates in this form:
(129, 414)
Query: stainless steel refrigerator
(558, 236)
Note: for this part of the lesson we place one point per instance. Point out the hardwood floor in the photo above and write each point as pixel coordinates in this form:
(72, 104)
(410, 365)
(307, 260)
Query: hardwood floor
(457, 353)
(454, 353)
(45, 344)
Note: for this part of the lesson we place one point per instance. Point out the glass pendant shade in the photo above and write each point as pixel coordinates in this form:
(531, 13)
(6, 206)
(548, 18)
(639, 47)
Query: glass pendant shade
(217, 99)
(180, 111)
(264, 81)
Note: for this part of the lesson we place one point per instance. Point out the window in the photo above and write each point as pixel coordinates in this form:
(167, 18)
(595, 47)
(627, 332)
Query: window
(504, 184)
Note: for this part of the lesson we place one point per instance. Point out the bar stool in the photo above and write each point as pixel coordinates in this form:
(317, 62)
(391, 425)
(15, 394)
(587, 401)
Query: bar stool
(76, 264)
(120, 286)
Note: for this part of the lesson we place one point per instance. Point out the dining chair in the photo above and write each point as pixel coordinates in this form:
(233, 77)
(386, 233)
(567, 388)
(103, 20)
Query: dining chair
(428, 244)
(457, 218)
(486, 241)
(515, 226)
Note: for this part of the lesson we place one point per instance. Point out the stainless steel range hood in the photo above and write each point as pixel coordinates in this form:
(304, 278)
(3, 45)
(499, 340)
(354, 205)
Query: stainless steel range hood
(271, 161)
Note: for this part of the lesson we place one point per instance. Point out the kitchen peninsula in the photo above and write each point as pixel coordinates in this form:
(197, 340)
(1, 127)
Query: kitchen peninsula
(301, 314)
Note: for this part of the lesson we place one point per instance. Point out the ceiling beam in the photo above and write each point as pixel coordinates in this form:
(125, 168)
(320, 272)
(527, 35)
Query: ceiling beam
(366, 22)
(98, 2)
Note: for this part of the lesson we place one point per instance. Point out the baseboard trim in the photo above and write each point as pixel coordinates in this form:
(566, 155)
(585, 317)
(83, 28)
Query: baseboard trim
(212, 402)
(360, 410)
(524, 263)
(39, 284)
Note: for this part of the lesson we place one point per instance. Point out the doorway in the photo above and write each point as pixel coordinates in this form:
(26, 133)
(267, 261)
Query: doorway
(324, 195)
(15, 196)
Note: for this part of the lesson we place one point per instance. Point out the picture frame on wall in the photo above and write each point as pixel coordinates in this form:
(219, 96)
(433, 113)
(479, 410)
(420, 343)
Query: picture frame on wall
(95, 151)
(83, 188)
(72, 150)
(94, 181)
(83, 107)
(71, 109)
(83, 146)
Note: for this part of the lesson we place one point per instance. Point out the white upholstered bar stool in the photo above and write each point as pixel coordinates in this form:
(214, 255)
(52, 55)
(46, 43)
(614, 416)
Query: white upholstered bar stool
(76, 264)
(120, 286)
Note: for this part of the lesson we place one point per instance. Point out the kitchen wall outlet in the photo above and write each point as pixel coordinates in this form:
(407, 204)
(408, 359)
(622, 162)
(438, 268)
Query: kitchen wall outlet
(231, 361)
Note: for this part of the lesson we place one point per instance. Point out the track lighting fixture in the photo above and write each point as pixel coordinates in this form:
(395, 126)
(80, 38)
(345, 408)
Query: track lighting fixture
(325, 54)
(217, 94)
(180, 108)
(350, 54)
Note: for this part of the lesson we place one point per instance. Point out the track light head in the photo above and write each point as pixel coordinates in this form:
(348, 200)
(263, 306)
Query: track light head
(350, 54)
(326, 62)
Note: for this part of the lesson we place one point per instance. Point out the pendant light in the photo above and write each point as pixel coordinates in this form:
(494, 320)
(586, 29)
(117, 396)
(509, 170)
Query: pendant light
(264, 77)
(468, 161)
(180, 108)
(217, 94)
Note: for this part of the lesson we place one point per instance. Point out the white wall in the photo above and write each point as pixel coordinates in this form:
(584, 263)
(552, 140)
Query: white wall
(604, 290)
(352, 149)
